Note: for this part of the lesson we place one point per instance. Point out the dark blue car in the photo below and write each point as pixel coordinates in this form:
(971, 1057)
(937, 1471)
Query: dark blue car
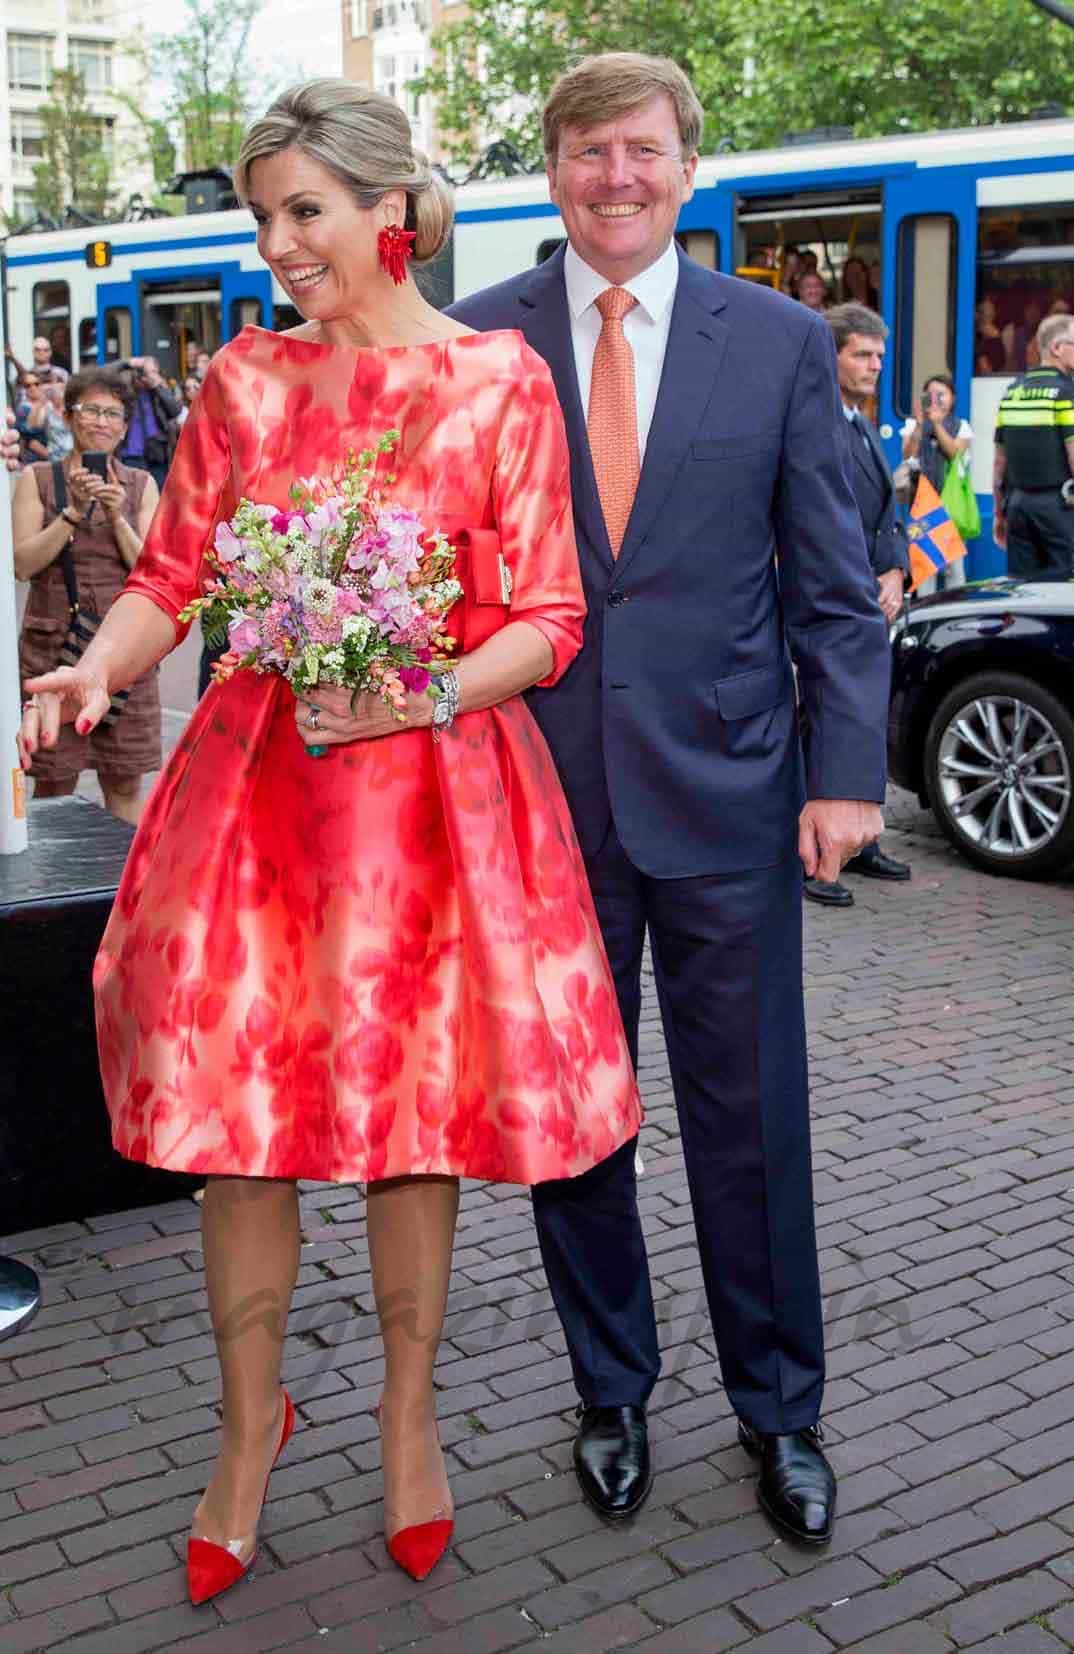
(981, 721)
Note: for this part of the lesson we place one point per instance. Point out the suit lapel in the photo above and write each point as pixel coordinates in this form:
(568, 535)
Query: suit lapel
(546, 324)
(871, 457)
(696, 344)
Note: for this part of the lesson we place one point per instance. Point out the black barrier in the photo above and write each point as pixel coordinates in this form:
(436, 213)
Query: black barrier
(57, 1163)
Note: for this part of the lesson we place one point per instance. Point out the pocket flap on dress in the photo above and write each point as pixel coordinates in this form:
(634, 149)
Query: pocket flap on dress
(484, 572)
(750, 692)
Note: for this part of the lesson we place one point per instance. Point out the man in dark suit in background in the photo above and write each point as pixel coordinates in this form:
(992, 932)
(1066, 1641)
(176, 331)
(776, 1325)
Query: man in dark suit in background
(718, 540)
(860, 341)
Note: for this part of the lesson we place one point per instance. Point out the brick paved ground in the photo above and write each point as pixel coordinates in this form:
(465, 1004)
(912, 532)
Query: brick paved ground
(943, 1066)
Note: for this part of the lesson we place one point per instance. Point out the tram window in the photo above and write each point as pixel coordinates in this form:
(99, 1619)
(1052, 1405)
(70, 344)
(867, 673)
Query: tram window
(87, 341)
(118, 334)
(1025, 271)
(244, 313)
(285, 316)
(703, 246)
(925, 286)
(547, 248)
(52, 319)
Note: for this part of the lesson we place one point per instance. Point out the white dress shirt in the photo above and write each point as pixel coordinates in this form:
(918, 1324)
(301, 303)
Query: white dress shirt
(646, 326)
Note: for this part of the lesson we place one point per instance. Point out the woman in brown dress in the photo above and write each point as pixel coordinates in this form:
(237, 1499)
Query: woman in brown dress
(104, 523)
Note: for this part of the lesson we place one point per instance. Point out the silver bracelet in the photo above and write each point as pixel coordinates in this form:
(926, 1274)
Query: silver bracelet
(447, 703)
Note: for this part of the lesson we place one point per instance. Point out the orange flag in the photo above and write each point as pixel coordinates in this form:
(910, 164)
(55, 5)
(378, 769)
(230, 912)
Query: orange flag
(934, 539)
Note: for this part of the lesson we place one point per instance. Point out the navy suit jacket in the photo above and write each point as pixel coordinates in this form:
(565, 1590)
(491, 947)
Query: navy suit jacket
(677, 719)
(874, 490)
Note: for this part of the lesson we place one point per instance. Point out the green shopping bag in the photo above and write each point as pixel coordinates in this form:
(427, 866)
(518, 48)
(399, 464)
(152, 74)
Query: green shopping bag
(959, 499)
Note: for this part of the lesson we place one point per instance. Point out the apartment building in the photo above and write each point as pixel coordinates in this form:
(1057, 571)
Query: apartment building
(386, 45)
(38, 37)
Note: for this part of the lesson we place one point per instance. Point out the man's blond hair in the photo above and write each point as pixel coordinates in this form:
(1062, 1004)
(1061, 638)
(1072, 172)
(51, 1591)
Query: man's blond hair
(603, 87)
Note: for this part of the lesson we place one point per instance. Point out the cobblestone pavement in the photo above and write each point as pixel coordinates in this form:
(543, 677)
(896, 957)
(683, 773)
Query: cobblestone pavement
(943, 1068)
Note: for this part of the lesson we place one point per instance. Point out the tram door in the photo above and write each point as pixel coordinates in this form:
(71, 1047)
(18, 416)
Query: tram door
(176, 316)
(779, 238)
(200, 310)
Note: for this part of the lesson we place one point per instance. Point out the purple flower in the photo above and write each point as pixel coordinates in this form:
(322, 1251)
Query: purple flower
(416, 678)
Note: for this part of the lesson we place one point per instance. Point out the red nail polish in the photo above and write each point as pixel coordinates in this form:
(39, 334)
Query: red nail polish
(82, 726)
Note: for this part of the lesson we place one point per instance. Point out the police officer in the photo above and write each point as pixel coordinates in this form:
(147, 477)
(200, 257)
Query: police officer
(1033, 476)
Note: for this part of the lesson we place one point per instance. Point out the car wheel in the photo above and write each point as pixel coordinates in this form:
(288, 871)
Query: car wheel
(999, 772)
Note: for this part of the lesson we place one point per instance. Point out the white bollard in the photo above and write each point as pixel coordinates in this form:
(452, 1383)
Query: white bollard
(12, 790)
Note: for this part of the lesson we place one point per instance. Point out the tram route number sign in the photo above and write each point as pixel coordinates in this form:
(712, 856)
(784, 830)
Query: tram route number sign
(98, 254)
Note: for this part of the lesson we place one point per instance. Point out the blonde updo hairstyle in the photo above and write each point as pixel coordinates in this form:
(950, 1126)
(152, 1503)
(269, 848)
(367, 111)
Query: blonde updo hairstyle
(364, 140)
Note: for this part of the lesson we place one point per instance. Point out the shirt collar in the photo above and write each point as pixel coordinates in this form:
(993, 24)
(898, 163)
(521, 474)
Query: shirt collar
(849, 413)
(654, 288)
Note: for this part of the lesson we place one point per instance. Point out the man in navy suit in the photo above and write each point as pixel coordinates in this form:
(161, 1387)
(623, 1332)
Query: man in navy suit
(676, 738)
(860, 341)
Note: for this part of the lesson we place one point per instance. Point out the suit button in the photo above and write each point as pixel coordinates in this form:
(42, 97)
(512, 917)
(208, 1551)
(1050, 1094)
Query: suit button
(615, 598)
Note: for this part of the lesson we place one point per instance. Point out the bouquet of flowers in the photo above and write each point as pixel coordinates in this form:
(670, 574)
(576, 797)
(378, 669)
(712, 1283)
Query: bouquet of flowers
(346, 588)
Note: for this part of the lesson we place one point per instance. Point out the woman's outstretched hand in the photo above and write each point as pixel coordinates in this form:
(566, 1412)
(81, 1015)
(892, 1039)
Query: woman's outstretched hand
(71, 694)
(334, 723)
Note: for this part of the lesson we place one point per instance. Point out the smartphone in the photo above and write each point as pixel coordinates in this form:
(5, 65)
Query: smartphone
(97, 463)
(926, 400)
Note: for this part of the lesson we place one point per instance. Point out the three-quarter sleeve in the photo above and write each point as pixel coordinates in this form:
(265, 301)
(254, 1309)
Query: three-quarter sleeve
(531, 497)
(195, 497)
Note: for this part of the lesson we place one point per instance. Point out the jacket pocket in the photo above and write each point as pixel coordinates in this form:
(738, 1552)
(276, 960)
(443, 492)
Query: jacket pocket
(748, 693)
(736, 447)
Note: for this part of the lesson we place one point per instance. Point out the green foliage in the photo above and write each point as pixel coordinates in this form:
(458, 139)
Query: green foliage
(211, 85)
(877, 66)
(75, 171)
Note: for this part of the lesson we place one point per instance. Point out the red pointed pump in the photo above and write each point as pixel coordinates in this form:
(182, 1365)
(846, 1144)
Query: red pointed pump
(211, 1568)
(418, 1548)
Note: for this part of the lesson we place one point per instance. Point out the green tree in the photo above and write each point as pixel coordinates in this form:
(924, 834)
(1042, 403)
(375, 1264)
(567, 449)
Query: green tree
(210, 84)
(877, 66)
(75, 171)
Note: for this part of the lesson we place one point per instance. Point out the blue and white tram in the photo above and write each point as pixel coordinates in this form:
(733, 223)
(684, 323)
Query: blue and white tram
(969, 235)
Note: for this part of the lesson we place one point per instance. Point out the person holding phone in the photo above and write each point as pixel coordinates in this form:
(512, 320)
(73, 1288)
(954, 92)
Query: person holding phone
(933, 439)
(97, 510)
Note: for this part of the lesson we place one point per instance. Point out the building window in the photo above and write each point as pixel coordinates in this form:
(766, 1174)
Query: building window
(105, 128)
(29, 62)
(27, 138)
(86, 11)
(92, 59)
(359, 18)
(1025, 272)
(22, 206)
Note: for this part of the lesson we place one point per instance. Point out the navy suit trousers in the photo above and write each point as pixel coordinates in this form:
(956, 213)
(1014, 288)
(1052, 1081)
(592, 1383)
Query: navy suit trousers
(727, 954)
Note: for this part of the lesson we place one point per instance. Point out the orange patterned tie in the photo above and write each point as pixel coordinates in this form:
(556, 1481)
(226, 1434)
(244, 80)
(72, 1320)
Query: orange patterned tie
(613, 416)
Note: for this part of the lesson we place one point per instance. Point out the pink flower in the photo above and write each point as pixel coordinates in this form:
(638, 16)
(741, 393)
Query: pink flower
(416, 678)
(282, 521)
(227, 544)
(243, 635)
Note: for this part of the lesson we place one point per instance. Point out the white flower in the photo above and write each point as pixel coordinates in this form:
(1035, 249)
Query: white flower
(357, 626)
(320, 596)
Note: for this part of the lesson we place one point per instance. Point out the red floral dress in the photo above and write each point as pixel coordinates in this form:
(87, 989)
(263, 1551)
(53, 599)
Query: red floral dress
(385, 961)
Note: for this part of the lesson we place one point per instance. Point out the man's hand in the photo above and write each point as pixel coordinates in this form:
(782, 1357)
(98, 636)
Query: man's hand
(890, 588)
(831, 830)
(999, 531)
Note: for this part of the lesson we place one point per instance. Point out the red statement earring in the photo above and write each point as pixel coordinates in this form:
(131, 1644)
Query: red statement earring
(395, 248)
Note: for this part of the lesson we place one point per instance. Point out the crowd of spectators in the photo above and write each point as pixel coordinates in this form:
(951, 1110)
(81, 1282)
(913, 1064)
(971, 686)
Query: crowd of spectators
(1006, 324)
(800, 277)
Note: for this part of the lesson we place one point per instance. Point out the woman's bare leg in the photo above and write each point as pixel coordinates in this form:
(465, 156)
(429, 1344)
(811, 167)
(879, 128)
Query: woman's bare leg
(123, 797)
(250, 1232)
(411, 1234)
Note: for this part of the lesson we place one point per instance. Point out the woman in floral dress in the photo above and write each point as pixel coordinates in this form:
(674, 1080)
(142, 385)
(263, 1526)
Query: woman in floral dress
(382, 966)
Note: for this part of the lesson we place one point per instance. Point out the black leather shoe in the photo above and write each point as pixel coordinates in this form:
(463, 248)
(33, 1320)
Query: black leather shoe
(796, 1489)
(872, 863)
(829, 895)
(611, 1459)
